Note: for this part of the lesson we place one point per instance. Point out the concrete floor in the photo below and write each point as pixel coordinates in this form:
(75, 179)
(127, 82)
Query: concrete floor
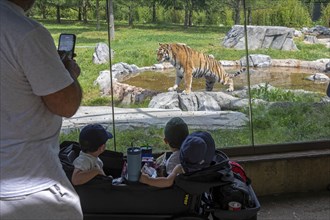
(297, 206)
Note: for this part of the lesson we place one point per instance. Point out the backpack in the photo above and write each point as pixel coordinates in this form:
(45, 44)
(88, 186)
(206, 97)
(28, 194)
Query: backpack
(234, 188)
(69, 151)
(239, 172)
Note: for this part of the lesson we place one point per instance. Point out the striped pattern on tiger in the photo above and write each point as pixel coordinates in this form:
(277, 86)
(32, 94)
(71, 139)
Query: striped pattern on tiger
(190, 63)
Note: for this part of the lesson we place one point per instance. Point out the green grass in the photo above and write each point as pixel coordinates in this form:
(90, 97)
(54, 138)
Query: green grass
(137, 137)
(296, 122)
(138, 45)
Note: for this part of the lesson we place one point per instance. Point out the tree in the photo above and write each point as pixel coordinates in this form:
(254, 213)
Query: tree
(97, 15)
(111, 19)
(131, 8)
(42, 6)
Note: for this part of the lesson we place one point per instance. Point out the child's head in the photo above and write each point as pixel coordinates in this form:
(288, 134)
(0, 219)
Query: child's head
(92, 137)
(175, 132)
(197, 151)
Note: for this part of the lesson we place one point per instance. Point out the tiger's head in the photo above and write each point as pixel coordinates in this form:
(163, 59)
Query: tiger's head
(163, 53)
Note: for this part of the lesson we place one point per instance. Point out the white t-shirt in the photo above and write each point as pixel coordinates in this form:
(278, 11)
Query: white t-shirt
(172, 161)
(87, 162)
(29, 68)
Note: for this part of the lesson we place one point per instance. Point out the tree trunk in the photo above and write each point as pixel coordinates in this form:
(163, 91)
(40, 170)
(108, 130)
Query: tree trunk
(97, 15)
(43, 10)
(190, 17)
(154, 18)
(111, 20)
(58, 14)
(79, 13)
(130, 16)
(185, 18)
(237, 18)
(84, 11)
(186, 14)
(249, 14)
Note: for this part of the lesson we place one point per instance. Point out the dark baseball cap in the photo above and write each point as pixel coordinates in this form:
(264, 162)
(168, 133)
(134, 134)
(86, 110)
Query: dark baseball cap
(176, 131)
(93, 136)
(197, 151)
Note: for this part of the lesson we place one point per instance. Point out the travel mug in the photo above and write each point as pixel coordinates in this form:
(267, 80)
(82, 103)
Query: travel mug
(133, 164)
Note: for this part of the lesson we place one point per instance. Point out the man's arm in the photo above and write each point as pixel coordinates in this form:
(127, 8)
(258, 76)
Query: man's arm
(66, 102)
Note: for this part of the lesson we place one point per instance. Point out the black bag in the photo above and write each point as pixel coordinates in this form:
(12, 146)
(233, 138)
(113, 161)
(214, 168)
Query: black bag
(69, 151)
(232, 189)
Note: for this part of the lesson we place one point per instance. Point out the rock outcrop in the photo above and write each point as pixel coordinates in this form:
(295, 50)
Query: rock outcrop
(101, 54)
(199, 101)
(260, 37)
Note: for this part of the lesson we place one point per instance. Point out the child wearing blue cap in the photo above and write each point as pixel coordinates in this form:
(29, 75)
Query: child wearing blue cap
(87, 165)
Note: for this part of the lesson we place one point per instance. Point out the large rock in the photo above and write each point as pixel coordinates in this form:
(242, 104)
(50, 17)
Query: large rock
(257, 60)
(124, 93)
(119, 71)
(198, 101)
(318, 77)
(101, 54)
(260, 37)
(294, 63)
(318, 31)
(309, 39)
(327, 67)
(131, 118)
(128, 94)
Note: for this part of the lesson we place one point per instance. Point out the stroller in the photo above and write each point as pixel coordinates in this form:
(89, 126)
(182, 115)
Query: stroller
(193, 195)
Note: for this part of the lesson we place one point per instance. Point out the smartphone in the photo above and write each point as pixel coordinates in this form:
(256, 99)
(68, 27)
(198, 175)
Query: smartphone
(67, 44)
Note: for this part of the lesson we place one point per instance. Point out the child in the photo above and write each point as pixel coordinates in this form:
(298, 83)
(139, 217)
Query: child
(175, 132)
(196, 152)
(87, 165)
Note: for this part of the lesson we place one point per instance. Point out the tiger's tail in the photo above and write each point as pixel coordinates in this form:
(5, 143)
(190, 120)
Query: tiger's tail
(238, 72)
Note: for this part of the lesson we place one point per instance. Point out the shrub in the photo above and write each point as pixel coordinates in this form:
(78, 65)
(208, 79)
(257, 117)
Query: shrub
(325, 18)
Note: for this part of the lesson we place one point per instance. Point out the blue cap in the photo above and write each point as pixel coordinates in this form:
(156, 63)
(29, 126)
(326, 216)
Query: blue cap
(92, 137)
(197, 151)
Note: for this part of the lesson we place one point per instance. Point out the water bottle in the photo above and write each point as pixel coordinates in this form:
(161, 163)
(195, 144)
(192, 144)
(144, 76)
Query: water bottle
(133, 163)
(147, 158)
(146, 151)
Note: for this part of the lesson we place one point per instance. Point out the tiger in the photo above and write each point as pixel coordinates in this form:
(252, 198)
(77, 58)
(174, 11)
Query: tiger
(190, 63)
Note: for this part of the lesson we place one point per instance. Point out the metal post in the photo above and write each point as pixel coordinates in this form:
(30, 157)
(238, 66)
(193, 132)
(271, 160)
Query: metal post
(111, 84)
(248, 72)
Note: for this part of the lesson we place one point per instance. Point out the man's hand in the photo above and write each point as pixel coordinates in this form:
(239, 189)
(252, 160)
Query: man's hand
(70, 64)
(72, 67)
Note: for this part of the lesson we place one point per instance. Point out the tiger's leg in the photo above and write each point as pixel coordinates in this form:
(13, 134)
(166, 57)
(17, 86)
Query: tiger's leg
(187, 81)
(209, 83)
(230, 83)
(178, 79)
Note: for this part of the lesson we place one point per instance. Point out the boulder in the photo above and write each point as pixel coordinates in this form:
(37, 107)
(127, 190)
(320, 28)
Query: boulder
(198, 101)
(128, 94)
(101, 54)
(318, 77)
(257, 60)
(260, 37)
(310, 39)
(327, 67)
(318, 31)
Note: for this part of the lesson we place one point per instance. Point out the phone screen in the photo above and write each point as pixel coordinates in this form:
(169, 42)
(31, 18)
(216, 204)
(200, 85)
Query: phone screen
(67, 44)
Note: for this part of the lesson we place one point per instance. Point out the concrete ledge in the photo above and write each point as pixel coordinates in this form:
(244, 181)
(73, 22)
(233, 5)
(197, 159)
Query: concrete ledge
(290, 172)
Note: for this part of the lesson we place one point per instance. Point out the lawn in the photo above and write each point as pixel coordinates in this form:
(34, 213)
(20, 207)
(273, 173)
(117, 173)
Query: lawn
(137, 45)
